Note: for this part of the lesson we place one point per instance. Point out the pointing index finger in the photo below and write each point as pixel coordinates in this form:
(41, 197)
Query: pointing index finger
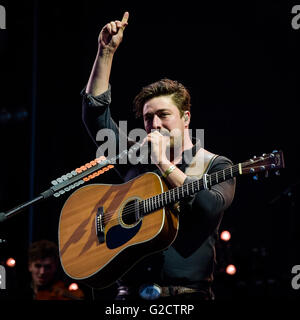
(125, 17)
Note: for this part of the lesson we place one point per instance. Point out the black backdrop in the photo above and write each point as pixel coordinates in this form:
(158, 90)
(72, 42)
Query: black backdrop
(239, 63)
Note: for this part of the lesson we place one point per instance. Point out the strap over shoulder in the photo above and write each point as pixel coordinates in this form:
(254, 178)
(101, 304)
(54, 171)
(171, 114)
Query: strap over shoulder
(200, 163)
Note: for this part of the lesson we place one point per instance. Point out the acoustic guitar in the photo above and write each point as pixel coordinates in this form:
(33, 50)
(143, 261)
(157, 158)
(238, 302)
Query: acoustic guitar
(105, 229)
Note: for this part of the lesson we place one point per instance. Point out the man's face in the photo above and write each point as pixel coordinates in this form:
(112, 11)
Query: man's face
(160, 113)
(42, 271)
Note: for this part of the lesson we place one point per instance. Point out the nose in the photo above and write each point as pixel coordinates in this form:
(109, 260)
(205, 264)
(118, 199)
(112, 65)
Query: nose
(156, 123)
(42, 270)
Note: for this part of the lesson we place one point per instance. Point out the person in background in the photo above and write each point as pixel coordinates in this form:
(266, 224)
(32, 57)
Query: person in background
(46, 283)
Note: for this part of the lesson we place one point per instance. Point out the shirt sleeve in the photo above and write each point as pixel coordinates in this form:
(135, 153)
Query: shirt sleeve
(96, 114)
(208, 205)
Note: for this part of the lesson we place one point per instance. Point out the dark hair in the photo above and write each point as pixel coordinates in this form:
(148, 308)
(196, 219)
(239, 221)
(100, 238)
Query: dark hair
(42, 249)
(163, 87)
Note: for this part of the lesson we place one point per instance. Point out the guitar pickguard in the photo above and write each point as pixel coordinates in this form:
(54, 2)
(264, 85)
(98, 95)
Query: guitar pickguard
(118, 235)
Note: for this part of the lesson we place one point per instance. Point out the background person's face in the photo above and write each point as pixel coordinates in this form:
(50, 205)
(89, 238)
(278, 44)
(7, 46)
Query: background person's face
(42, 271)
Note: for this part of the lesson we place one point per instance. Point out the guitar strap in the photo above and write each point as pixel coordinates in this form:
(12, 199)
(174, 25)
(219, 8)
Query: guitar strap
(200, 164)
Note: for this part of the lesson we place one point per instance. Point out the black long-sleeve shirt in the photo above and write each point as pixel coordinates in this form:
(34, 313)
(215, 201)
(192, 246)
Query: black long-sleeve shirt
(190, 260)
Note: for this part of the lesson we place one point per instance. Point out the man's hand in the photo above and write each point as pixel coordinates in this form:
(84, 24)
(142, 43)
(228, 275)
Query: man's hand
(109, 39)
(159, 144)
(111, 34)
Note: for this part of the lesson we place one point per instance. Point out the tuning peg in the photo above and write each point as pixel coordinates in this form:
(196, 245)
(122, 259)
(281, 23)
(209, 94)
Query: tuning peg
(274, 151)
(277, 173)
(255, 177)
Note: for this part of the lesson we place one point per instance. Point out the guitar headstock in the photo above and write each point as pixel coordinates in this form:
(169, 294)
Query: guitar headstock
(266, 162)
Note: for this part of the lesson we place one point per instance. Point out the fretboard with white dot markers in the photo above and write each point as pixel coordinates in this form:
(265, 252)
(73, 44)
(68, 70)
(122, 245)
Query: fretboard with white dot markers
(173, 195)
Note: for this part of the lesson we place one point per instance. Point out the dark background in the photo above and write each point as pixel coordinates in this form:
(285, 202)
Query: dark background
(241, 65)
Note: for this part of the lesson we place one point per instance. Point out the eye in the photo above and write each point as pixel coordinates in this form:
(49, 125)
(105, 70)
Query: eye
(147, 117)
(47, 266)
(163, 114)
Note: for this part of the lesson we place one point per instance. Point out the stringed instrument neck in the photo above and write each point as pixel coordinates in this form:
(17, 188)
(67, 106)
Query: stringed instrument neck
(266, 162)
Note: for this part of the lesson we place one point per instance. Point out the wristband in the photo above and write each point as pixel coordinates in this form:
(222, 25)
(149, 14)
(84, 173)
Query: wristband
(169, 170)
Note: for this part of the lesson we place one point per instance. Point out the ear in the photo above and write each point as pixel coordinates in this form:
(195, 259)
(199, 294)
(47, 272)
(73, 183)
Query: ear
(187, 117)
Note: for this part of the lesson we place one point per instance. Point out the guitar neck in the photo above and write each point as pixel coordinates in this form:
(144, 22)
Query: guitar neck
(173, 195)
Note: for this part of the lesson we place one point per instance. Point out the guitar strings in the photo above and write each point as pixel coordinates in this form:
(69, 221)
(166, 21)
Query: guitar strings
(130, 209)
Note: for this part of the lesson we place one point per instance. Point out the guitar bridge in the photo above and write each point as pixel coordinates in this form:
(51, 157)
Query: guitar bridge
(100, 225)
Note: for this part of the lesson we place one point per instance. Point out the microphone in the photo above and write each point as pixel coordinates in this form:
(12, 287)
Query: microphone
(144, 148)
(137, 146)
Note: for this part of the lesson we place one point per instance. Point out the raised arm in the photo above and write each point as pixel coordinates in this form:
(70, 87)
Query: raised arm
(109, 39)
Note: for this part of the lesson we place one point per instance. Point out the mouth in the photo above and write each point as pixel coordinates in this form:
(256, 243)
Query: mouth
(42, 279)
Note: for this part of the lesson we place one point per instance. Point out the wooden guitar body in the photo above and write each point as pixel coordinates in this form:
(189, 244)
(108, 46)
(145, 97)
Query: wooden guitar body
(99, 257)
(105, 229)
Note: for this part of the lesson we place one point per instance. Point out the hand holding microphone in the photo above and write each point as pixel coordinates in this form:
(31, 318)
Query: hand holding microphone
(154, 145)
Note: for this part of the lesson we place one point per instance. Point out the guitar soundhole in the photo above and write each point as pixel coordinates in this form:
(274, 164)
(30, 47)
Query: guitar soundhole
(129, 213)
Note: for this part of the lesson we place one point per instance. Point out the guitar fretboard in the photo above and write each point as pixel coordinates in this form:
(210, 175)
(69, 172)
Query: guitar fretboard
(173, 195)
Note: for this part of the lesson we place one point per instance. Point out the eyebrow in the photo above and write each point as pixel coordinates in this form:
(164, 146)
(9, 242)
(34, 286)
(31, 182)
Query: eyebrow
(159, 110)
